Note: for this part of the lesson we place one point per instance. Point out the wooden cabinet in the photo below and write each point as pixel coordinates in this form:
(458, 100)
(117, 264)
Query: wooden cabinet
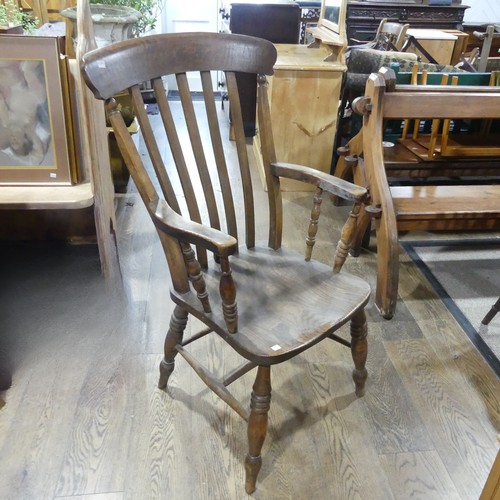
(309, 14)
(304, 93)
(363, 17)
(278, 22)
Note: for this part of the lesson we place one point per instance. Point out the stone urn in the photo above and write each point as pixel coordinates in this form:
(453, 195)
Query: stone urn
(112, 23)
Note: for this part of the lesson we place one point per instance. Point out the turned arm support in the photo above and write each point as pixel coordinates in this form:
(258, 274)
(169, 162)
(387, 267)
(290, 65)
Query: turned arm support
(187, 231)
(223, 245)
(330, 184)
(322, 180)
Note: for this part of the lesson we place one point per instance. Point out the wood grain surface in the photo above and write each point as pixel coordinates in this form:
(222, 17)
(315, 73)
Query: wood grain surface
(85, 420)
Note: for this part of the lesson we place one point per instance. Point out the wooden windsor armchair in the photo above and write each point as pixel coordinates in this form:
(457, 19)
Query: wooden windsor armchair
(267, 302)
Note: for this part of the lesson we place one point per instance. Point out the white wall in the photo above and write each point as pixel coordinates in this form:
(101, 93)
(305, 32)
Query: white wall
(193, 15)
(482, 11)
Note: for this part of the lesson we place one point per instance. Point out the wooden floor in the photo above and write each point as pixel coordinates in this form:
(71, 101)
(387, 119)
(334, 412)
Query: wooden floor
(84, 419)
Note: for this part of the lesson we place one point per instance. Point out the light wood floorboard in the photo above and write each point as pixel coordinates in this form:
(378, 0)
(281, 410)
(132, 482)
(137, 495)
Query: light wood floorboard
(85, 420)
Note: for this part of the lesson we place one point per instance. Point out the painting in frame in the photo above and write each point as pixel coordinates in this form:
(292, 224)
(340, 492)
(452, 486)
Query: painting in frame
(34, 139)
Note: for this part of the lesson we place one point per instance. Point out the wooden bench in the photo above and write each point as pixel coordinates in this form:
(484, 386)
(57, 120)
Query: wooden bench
(422, 207)
(412, 160)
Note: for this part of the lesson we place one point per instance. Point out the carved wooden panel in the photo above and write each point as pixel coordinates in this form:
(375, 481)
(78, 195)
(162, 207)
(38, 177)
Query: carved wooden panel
(364, 17)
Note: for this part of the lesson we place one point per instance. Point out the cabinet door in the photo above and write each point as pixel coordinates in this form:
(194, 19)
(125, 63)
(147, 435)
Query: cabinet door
(195, 15)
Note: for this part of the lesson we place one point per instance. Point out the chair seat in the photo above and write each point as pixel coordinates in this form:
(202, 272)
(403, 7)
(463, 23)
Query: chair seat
(285, 306)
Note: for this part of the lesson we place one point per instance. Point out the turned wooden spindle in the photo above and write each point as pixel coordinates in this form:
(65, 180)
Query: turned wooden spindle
(195, 276)
(346, 236)
(313, 223)
(228, 294)
(257, 425)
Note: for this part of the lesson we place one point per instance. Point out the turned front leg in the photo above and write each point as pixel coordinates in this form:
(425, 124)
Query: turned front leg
(313, 223)
(257, 425)
(359, 350)
(174, 336)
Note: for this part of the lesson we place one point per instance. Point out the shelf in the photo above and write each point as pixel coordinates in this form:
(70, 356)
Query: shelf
(46, 197)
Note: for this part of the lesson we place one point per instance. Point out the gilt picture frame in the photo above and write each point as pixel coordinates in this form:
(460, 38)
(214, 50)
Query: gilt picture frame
(35, 121)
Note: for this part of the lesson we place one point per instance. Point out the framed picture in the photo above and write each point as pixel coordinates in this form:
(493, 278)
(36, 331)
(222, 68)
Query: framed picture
(35, 139)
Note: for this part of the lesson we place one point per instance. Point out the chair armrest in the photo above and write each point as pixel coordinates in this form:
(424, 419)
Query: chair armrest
(167, 220)
(326, 182)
